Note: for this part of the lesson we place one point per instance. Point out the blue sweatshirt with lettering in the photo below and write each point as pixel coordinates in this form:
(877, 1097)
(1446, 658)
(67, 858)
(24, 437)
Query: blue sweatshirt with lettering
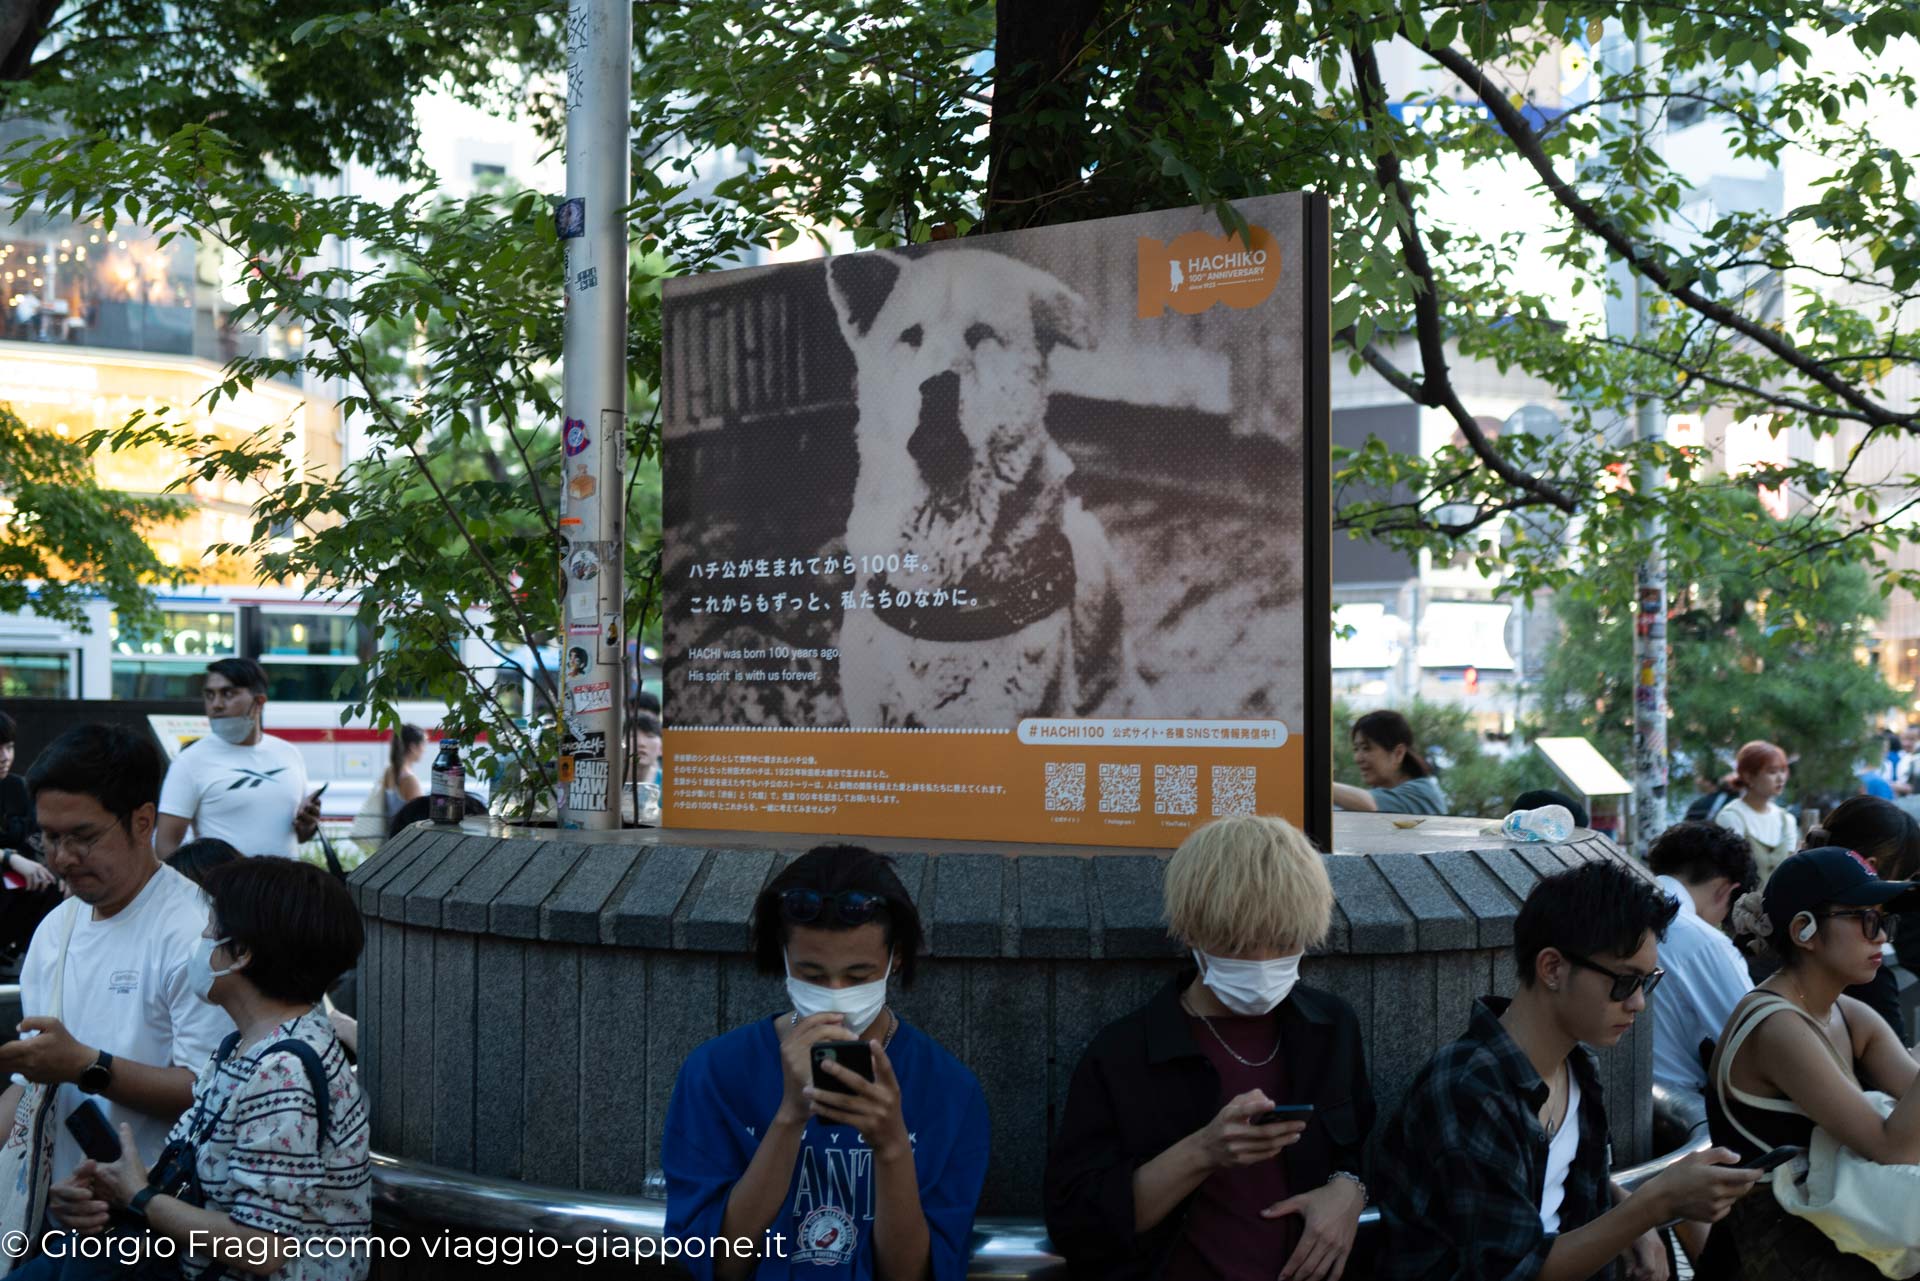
(726, 1096)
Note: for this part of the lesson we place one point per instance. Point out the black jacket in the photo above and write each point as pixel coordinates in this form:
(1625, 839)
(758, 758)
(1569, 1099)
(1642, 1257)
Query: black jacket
(1143, 1085)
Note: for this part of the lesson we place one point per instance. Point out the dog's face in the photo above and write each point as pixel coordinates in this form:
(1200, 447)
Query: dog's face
(952, 353)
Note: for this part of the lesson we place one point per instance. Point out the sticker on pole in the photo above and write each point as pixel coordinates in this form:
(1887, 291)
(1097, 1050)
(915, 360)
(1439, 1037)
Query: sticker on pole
(575, 435)
(596, 696)
(609, 638)
(570, 218)
(588, 790)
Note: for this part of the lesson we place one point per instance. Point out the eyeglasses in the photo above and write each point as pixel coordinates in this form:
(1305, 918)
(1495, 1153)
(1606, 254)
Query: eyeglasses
(79, 846)
(1624, 985)
(850, 907)
(1873, 922)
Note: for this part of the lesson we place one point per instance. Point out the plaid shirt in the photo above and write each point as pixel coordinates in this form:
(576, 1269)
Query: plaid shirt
(1463, 1163)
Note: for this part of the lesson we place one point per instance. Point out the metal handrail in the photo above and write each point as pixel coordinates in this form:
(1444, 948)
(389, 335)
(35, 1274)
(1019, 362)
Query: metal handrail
(413, 1193)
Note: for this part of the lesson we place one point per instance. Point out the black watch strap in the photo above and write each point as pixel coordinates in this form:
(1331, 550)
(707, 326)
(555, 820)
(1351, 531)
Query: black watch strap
(137, 1204)
(98, 1076)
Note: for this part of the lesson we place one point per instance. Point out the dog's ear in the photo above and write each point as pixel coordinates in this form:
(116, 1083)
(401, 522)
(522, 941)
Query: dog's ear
(1060, 320)
(859, 285)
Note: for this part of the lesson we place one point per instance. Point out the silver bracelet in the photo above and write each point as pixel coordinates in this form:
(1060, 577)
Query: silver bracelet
(1352, 1178)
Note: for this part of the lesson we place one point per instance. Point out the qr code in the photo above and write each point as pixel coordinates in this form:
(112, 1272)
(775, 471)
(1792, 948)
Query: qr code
(1119, 789)
(1176, 789)
(1232, 789)
(1066, 786)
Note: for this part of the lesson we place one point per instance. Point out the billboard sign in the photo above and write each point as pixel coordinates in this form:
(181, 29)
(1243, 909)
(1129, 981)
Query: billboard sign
(1019, 537)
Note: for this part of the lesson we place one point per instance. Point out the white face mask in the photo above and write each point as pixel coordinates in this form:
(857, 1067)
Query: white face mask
(232, 729)
(201, 975)
(859, 1005)
(1249, 987)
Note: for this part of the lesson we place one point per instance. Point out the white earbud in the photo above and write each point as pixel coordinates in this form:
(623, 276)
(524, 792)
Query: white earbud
(1807, 931)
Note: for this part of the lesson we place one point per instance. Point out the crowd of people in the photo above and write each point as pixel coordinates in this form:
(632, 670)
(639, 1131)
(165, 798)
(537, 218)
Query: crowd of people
(175, 991)
(1227, 1127)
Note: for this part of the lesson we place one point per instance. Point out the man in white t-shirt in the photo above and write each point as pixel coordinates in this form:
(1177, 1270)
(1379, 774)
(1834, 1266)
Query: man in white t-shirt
(1703, 868)
(241, 785)
(113, 958)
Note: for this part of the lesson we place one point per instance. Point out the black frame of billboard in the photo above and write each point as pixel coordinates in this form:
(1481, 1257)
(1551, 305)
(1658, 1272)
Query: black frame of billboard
(1317, 448)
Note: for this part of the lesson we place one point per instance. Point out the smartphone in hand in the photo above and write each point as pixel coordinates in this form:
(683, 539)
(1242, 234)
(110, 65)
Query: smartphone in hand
(855, 1056)
(1772, 1160)
(1285, 1112)
(88, 1125)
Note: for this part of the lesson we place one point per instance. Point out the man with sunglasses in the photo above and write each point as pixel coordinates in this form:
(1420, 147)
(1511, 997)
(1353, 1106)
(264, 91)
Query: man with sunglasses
(1496, 1165)
(773, 1172)
(131, 1033)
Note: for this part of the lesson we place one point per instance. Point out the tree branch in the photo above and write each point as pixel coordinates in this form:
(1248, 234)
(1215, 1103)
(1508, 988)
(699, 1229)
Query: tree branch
(1435, 388)
(1642, 260)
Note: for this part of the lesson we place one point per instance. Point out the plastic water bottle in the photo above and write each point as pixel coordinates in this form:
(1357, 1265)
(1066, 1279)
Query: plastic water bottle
(1548, 823)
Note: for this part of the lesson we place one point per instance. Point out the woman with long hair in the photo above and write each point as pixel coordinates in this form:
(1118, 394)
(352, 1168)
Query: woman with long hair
(1887, 837)
(1395, 778)
(1797, 1053)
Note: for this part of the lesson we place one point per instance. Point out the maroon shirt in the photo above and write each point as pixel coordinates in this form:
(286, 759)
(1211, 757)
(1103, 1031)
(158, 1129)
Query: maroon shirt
(1224, 1236)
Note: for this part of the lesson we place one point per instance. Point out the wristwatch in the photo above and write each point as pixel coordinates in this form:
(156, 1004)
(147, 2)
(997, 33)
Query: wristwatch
(137, 1204)
(98, 1076)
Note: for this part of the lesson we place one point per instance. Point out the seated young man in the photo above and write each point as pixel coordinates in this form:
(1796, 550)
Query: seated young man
(1703, 868)
(1495, 1167)
(870, 1178)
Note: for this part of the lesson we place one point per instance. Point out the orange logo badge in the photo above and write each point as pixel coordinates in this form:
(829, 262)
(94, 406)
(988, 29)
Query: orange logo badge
(1194, 271)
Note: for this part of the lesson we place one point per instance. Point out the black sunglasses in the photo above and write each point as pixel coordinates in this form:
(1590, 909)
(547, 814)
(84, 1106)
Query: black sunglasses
(1873, 921)
(1624, 985)
(850, 907)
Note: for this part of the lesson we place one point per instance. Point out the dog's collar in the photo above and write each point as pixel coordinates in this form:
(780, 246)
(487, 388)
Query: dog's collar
(1037, 584)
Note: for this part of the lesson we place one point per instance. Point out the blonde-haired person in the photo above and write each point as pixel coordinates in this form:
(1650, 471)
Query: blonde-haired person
(1163, 1165)
(1761, 769)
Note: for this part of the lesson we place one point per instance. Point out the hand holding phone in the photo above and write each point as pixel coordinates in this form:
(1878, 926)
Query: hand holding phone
(855, 1056)
(1771, 1160)
(88, 1125)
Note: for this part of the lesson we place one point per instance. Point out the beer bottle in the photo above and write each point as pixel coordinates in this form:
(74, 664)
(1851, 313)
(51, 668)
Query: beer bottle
(449, 800)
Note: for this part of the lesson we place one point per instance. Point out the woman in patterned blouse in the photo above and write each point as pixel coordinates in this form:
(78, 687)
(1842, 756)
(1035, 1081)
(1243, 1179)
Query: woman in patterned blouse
(285, 1175)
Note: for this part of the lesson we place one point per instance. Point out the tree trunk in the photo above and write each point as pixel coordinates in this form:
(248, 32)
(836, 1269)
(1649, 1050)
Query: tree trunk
(23, 24)
(1033, 165)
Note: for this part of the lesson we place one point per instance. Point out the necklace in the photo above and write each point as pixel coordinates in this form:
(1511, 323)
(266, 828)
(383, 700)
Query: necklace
(1223, 1040)
(893, 1025)
(1553, 1127)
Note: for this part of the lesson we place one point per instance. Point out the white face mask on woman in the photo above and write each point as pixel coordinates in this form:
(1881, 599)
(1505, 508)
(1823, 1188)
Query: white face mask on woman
(201, 976)
(859, 1005)
(1248, 987)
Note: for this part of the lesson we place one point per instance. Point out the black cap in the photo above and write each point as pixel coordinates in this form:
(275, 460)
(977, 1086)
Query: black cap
(1832, 874)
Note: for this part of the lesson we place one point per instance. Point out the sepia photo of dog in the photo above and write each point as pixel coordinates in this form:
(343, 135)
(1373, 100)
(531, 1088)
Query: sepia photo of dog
(957, 469)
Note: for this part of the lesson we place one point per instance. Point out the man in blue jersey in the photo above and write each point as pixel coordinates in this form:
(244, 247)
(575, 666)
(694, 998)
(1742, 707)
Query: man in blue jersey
(878, 1178)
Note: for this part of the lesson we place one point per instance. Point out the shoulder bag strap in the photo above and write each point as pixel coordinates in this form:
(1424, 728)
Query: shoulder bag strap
(1752, 1017)
(60, 967)
(316, 1079)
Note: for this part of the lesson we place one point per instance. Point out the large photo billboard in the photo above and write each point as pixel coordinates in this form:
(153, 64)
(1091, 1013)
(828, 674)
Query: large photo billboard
(1018, 537)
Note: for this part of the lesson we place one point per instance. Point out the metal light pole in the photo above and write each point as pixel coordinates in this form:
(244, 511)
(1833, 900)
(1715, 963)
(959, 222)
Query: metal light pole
(1650, 769)
(591, 222)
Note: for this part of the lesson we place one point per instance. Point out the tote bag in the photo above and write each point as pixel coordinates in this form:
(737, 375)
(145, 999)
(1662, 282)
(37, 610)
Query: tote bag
(26, 1158)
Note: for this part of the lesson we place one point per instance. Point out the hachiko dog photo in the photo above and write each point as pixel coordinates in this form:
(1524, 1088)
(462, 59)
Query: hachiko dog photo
(952, 357)
(959, 486)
